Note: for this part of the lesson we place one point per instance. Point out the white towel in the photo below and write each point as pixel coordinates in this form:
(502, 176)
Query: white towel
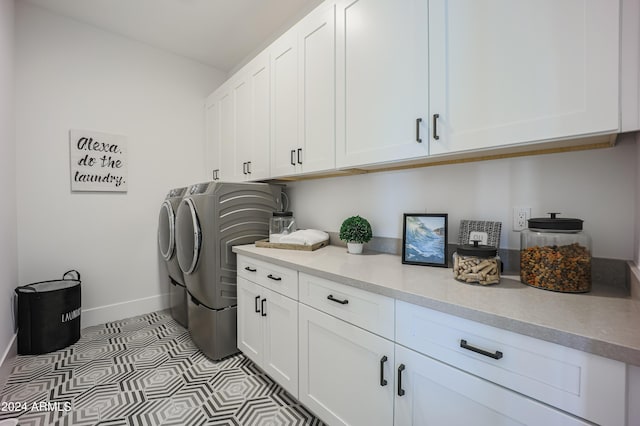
(306, 237)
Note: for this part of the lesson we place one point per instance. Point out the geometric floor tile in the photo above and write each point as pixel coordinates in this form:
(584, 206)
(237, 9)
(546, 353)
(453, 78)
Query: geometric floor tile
(144, 371)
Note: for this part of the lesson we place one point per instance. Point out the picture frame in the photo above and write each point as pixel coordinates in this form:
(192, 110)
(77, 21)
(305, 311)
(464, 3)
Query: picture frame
(487, 232)
(425, 239)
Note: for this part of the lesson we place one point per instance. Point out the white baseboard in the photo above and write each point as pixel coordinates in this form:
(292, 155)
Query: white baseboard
(118, 311)
(7, 357)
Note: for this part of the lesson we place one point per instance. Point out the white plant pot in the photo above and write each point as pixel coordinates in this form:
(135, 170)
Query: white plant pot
(355, 248)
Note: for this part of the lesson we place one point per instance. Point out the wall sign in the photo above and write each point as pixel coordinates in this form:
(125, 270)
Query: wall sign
(98, 161)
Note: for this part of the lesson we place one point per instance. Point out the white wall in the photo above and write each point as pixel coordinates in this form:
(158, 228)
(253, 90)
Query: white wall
(597, 186)
(636, 193)
(8, 220)
(74, 76)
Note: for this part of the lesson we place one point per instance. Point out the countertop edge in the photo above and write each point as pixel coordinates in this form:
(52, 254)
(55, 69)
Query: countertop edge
(587, 344)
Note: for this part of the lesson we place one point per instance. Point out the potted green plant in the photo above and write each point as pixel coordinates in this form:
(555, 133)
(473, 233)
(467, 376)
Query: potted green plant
(355, 231)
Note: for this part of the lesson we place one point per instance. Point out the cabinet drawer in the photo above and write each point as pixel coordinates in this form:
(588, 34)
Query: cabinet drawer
(368, 310)
(277, 278)
(583, 384)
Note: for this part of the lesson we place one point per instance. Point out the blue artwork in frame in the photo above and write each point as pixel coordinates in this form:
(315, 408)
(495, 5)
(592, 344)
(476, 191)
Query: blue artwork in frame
(424, 239)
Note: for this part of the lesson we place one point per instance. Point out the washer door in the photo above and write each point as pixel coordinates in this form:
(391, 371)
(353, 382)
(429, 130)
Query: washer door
(166, 231)
(189, 236)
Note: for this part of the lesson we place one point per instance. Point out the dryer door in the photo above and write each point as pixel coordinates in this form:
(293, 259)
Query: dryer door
(189, 236)
(166, 231)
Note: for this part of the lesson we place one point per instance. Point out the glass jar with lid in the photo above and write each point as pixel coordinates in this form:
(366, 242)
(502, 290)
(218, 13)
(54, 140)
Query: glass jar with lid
(555, 254)
(281, 223)
(476, 264)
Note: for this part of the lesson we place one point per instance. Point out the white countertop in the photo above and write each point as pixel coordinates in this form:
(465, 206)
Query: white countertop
(601, 322)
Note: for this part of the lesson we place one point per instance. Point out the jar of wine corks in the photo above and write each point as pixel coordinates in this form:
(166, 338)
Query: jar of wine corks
(555, 254)
(476, 264)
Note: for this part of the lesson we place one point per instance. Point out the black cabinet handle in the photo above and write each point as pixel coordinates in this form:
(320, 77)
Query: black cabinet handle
(244, 168)
(274, 278)
(216, 174)
(494, 355)
(299, 155)
(263, 312)
(383, 381)
(255, 306)
(248, 167)
(250, 269)
(418, 138)
(435, 126)
(293, 152)
(400, 370)
(333, 299)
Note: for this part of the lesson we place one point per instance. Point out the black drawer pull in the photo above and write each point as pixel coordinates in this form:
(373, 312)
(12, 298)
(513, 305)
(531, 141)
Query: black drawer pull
(333, 299)
(262, 310)
(250, 269)
(494, 355)
(383, 381)
(293, 153)
(274, 278)
(299, 155)
(400, 370)
(257, 309)
(435, 126)
(418, 138)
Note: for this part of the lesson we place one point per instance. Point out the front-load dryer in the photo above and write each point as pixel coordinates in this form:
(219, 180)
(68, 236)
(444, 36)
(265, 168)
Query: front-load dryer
(212, 218)
(167, 247)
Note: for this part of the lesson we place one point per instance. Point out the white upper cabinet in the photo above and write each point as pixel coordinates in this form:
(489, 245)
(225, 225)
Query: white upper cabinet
(382, 94)
(260, 79)
(219, 148)
(284, 104)
(316, 42)
(504, 72)
(227, 144)
(212, 135)
(372, 82)
(241, 142)
(303, 104)
(251, 89)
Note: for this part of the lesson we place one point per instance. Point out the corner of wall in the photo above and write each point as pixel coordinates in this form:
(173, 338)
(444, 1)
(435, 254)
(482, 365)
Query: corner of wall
(6, 361)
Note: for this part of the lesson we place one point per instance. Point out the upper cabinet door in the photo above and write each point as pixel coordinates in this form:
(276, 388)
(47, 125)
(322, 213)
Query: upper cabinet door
(382, 81)
(241, 98)
(227, 137)
(259, 79)
(212, 142)
(316, 99)
(506, 72)
(284, 104)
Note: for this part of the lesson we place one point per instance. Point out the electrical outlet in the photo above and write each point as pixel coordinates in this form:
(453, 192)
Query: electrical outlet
(520, 217)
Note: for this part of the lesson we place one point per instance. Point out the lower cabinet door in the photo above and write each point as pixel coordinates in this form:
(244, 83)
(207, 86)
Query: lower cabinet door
(280, 358)
(250, 335)
(346, 375)
(429, 392)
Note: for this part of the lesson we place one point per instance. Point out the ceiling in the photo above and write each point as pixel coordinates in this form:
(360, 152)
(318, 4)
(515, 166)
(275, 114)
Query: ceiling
(219, 33)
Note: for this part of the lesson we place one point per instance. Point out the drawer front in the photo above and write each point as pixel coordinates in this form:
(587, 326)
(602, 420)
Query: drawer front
(368, 310)
(584, 384)
(277, 278)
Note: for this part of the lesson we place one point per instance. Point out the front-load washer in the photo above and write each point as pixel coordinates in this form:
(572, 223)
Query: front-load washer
(167, 247)
(212, 218)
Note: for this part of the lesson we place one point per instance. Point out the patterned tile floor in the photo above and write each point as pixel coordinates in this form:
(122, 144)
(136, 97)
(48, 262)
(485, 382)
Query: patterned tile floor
(143, 371)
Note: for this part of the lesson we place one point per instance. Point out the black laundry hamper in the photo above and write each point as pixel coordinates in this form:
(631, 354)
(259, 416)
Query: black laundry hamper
(49, 314)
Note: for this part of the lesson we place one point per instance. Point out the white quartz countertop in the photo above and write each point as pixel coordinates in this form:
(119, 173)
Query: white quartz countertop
(601, 322)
